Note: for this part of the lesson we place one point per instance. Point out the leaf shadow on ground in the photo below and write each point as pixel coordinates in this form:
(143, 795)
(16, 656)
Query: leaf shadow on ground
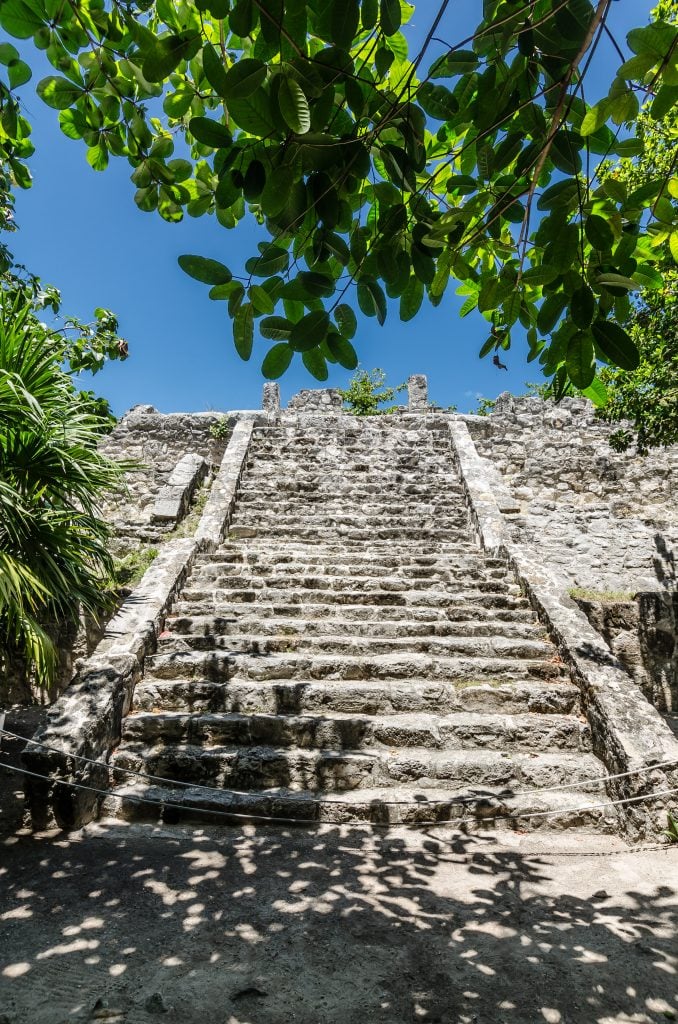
(264, 926)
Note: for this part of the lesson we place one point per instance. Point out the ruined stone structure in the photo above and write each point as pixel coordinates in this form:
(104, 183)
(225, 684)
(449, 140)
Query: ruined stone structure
(370, 621)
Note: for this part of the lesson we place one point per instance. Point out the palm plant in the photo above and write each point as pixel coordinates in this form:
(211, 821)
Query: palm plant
(53, 545)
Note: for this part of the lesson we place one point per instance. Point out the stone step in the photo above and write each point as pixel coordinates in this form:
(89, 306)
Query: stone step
(492, 808)
(219, 666)
(278, 515)
(210, 626)
(381, 562)
(345, 731)
(370, 574)
(347, 584)
(263, 767)
(329, 547)
(221, 597)
(358, 697)
(356, 646)
(239, 531)
(508, 610)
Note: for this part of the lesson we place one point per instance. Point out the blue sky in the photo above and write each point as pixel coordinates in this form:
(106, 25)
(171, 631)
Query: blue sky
(81, 231)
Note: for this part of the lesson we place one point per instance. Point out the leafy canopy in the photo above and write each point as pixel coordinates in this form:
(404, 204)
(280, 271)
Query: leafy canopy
(373, 173)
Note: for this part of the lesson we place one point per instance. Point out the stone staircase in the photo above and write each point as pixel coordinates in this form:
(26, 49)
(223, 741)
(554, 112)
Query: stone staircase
(349, 653)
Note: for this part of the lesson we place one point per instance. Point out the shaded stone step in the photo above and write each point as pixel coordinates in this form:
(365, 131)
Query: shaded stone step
(370, 646)
(219, 666)
(347, 731)
(509, 610)
(380, 562)
(358, 696)
(428, 598)
(368, 574)
(210, 626)
(223, 582)
(318, 533)
(249, 768)
(487, 809)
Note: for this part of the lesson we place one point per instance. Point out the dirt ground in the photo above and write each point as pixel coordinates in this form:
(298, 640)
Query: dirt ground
(347, 926)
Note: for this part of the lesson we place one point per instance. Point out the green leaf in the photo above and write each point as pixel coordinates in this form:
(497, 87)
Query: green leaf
(310, 331)
(276, 361)
(615, 344)
(8, 53)
(596, 392)
(456, 62)
(656, 39)
(277, 328)
(628, 147)
(344, 22)
(664, 101)
(210, 133)
(342, 350)
(617, 281)
(411, 299)
(20, 19)
(273, 260)
(673, 245)
(260, 299)
(595, 118)
(582, 308)
(346, 321)
(562, 194)
(579, 359)
(244, 78)
(58, 92)
(243, 330)
(19, 73)
(437, 101)
(647, 276)
(540, 275)
(254, 114)
(390, 16)
(206, 270)
(315, 364)
(214, 70)
(599, 232)
(294, 105)
(550, 311)
(167, 54)
(371, 298)
(316, 285)
(97, 157)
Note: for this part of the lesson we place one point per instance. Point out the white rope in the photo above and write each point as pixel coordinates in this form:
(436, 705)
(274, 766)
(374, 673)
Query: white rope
(306, 821)
(576, 784)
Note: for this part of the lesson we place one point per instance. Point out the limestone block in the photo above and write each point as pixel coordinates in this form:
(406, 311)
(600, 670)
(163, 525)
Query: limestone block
(417, 392)
(173, 500)
(271, 398)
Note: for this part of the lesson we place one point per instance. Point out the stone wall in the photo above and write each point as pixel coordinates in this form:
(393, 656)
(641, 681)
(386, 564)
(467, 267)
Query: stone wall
(643, 635)
(604, 520)
(156, 442)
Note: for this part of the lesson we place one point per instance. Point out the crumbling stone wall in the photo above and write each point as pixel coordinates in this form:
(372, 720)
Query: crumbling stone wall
(608, 521)
(643, 635)
(156, 442)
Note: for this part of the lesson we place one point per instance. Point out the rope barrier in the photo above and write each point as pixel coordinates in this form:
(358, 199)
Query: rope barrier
(561, 787)
(305, 821)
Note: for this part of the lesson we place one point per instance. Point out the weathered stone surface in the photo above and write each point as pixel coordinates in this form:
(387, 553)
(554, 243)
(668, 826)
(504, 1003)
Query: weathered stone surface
(174, 498)
(607, 521)
(271, 399)
(628, 733)
(362, 608)
(417, 393)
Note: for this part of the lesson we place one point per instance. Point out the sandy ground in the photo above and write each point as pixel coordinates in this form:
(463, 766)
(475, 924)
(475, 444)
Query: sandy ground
(254, 926)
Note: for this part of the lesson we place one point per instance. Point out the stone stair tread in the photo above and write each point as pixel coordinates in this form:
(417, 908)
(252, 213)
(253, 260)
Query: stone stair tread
(545, 696)
(485, 806)
(208, 625)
